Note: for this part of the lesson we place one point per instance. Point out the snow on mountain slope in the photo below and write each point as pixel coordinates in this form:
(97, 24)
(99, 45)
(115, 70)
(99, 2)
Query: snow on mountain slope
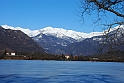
(57, 32)
(60, 33)
(26, 31)
(117, 29)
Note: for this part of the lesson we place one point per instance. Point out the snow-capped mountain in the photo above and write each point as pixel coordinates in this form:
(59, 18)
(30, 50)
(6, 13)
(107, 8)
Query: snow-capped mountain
(61, 33)
(57, 32)
(54, 40)
(59, 40)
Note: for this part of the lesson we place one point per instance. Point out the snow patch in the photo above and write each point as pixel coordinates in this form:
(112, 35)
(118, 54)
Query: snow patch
(29, 32)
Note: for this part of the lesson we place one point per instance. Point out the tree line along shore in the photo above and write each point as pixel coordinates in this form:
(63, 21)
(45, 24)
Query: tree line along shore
(115, 56)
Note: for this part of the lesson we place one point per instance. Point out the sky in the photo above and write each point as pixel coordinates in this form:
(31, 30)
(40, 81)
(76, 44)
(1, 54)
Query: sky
(38, 14)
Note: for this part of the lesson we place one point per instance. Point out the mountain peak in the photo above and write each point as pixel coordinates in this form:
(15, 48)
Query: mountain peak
(60, 33)
(52, 29)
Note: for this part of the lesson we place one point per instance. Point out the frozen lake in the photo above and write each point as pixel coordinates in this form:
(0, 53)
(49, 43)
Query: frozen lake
(38, 71)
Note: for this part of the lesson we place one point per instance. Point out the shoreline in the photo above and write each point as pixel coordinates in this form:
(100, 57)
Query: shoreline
(69, 60)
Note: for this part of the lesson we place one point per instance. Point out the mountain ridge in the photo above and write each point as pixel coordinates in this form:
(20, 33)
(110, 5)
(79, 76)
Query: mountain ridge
(57, 32)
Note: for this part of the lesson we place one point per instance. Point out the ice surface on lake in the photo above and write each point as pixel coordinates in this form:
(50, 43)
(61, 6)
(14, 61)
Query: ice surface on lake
(36, 71)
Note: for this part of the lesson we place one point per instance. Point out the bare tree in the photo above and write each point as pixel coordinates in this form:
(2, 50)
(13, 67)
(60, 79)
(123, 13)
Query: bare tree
(103, 9)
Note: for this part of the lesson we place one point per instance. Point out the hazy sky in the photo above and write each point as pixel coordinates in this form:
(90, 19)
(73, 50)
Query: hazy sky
(37, 14)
